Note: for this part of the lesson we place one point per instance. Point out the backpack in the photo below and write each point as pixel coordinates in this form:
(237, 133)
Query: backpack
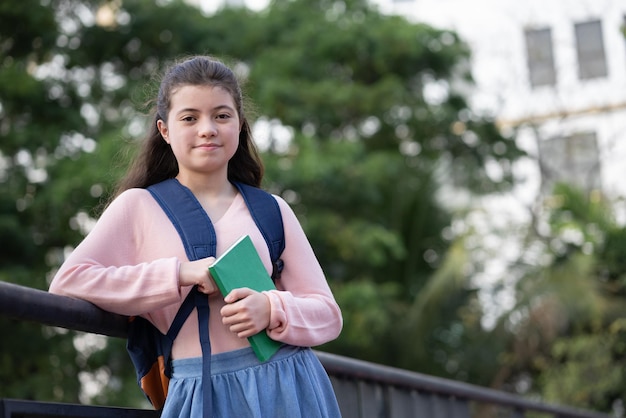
(148, 348)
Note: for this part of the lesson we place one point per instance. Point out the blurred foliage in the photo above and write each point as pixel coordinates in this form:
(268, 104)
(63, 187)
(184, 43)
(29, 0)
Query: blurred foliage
(363, 121)
(566, 330)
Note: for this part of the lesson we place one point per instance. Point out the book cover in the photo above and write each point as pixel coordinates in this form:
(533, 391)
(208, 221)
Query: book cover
(241, 266)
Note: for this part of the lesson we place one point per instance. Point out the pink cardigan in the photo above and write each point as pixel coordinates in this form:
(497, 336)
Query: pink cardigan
(128, 264)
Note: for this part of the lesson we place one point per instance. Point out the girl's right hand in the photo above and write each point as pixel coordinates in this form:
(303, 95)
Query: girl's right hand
(197, 273)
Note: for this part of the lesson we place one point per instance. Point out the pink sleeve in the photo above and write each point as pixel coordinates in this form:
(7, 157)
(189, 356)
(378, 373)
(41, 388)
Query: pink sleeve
(118, 266)
(303, 310)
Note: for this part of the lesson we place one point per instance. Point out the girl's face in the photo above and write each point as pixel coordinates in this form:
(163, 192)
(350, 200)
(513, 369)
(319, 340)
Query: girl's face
(203, 129)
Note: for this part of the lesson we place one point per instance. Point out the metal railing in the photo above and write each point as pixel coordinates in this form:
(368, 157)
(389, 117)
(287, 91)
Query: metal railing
(363, 389)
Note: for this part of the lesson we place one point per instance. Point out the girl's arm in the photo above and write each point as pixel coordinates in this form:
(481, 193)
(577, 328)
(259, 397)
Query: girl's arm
(120, 266)
(303, 310)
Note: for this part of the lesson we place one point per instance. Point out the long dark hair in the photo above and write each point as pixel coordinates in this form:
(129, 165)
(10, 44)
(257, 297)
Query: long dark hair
(156, 162)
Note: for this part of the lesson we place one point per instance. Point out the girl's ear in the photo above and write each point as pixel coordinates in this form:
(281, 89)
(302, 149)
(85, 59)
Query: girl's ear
(162, 127)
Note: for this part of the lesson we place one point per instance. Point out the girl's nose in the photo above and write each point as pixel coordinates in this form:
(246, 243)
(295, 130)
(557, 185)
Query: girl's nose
(207, 128)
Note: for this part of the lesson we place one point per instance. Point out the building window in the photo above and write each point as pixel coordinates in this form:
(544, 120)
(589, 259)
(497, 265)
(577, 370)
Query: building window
(590, 50)
(573, 160)
(540, 57)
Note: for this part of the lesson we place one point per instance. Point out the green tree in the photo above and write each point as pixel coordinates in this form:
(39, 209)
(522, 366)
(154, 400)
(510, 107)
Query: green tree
(566, 330)
(370, 150)
(35, 113)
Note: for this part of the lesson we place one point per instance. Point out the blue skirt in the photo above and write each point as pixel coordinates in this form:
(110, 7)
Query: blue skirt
(292, 384)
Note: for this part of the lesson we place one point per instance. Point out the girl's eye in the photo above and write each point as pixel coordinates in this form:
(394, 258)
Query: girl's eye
(223, 116)
(188, 119)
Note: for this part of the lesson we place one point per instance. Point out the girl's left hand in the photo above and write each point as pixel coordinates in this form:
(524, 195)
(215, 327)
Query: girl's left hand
(247, 312)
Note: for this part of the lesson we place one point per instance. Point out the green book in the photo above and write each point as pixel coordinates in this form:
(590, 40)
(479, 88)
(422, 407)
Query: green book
(241, 266)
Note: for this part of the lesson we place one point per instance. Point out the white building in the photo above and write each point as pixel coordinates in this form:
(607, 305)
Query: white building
(554, 69)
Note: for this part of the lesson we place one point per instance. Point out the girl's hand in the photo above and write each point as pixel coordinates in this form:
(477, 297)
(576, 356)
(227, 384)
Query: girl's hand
(197, 273)
(247, 312)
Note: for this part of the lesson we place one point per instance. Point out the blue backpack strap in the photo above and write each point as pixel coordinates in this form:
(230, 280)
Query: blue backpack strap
(188, 216)
(195, 227)
(196, 231)
(266, 214)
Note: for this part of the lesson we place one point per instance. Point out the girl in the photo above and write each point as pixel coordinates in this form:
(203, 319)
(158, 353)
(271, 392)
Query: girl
(133, 262)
